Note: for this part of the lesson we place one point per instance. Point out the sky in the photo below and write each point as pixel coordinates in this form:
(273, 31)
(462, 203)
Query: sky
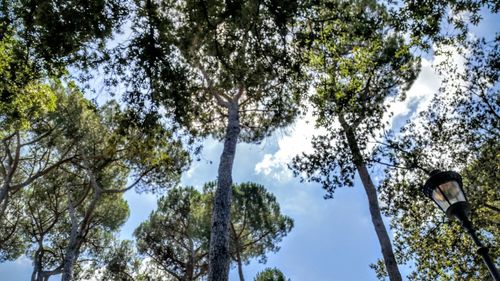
(332, 240)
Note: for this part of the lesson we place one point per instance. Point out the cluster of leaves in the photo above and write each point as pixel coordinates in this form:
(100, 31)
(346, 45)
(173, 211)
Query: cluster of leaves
(54, 34)
(459, 131)
(182, 55)
(64, 173)
(360, 64)
(270, 274)
(442, 22)
(177, 234)
(23, 95)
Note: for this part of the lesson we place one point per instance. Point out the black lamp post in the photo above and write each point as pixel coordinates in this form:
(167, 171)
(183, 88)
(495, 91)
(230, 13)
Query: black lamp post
(446, 190)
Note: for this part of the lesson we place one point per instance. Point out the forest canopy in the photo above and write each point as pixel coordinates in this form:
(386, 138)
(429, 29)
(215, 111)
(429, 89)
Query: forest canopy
(197, 139)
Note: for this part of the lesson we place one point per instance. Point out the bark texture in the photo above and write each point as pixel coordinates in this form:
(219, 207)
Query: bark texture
(3, 200)
(385, 242)
(240, 267)
(391, 265)
(219, 256)
(79, 231)
(72, 248)
(4, 190)
(7, 171)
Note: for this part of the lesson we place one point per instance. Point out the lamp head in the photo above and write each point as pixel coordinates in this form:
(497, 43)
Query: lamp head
(446, 190)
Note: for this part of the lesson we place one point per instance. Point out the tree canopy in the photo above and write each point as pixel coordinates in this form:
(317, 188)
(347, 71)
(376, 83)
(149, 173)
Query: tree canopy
(176, 236)
(462, 127)
(103, 97)
(360, 66)
(270, 274)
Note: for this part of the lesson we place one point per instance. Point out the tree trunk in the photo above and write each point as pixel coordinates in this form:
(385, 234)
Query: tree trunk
(383, 237)
(12, 164)
(189, 276)
(78, 232)
(3, 196)
(4, 193)
(240, 266)
(71, 249)
(35, 276)
(371, 192)
(69, 261)
(219, 257)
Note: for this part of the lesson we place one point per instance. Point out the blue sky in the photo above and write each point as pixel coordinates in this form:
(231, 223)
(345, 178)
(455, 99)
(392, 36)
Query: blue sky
(333, 240)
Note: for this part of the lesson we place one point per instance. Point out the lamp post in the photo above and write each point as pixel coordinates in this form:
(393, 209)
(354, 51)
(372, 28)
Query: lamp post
(446, 190)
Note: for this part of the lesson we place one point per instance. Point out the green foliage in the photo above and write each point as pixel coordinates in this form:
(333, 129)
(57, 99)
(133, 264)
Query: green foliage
(119, 261)
(360, 65)
(12, 242)
(50, 223)
(257, 225)
(151, 156)
(29, 152)
(97, 151)
(439, 22)
(459, 131)
(149, 68)
(65, 162)
(23, 96)
(270, 274)
(211, 50)
(239, 48)
(54, 34)
(177, 234)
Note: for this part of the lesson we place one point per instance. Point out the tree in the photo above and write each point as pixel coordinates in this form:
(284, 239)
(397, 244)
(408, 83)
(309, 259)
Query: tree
(176, 235)
(361, 65)
(112, 150)
(153, 159)
(239, 59)
(270, 274)
(38, 40)
(50, 224)
(120, 262)
(28, 133)
(54, 34)
(257, 225)
(24, 109)
(459, 131)
(12, 244)
(81, 199)
(424, 21)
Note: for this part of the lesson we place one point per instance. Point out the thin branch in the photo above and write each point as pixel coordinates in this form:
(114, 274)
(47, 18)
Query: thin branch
(258, 239)
(46, 169)
(485, 100)
(491, 207)
(109, 191)
(42, 136)
(241, 91)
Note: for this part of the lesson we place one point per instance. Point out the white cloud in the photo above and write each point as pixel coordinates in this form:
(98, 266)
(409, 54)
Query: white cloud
(297, 141)
(427, 84)
(418, 98)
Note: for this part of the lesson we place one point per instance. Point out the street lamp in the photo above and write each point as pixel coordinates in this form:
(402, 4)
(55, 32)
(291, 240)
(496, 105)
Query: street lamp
(446, 190)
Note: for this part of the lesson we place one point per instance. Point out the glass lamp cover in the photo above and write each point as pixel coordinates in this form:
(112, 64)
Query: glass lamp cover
(447, 194)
